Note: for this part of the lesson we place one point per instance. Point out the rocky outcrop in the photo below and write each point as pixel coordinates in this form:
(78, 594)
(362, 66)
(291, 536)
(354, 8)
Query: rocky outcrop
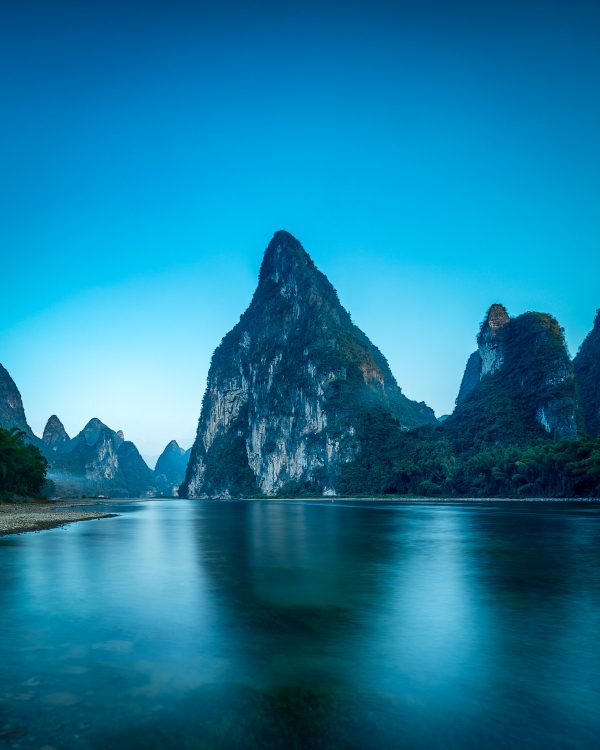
(519, 383)
(489, 340)
(471, 377)
(12, 413)
(55, 436)
(170, 468)
(587, 374)
(289, 387)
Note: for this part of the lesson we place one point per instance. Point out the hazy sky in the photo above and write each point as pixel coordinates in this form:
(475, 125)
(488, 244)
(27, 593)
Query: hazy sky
(432, 157)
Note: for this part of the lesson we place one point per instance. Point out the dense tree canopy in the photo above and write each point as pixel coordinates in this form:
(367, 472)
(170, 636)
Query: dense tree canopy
(22, 466)
(433, 461)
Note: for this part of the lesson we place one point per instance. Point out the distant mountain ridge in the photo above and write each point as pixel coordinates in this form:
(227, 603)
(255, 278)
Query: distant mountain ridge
(170, 468)
(55, 436)
(97, 461)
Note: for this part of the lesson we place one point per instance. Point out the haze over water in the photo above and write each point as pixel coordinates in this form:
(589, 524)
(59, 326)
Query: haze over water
(305, 624)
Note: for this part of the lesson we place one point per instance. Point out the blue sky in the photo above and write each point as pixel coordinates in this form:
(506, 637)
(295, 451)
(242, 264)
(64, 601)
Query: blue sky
(433, 158)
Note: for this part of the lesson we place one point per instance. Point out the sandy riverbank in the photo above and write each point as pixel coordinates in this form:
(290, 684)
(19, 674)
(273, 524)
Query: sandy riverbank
(18, 517)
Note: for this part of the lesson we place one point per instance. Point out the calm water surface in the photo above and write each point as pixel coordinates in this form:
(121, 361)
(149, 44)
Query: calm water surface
(304, 625)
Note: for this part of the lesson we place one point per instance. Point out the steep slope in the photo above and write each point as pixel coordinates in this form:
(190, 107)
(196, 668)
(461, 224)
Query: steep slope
(471, 377)
(99, 462)
(170, 468)
(12, 413)
(526, 386)
(587, 374)
(289, 388)
(55, 436)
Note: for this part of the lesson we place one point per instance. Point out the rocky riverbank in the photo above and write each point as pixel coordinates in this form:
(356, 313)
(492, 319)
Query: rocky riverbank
(18, 517)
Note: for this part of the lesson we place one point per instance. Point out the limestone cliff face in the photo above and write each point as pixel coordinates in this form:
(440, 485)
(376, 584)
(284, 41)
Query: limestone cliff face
(55, 436)
(170, 468)
(288, 387)
(471, 377)
(520, 380)
(587, 373)
(489, 340)
(12, 413)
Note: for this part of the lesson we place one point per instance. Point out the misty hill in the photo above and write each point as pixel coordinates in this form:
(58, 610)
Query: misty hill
(98, 461)
(55, 436)
(170, 468)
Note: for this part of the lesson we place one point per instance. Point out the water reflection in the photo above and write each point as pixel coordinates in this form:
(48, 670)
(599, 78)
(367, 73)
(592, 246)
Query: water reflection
(281, 624)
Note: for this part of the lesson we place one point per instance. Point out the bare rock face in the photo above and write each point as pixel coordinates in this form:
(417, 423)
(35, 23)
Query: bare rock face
(288, 388)
(170, 468)
(587, 373)
(491, 350)
(12, 413)
(471, 377)
(519, 383)
(55, 436)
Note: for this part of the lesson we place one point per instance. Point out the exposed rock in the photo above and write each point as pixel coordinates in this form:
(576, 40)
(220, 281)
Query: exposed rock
(587, 373)
(471, 377)
(289, 387)
(526, 384)
(489, 339)
(55, 436)
(170, 468)
(12, 413)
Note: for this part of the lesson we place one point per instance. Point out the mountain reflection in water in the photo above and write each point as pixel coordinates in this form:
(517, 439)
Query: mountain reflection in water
(305, 624)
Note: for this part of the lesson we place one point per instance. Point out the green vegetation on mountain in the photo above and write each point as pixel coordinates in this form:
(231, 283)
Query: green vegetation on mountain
(22, 466)
(528, 390)
(289, 387)
(587, 372)
(514, 431)
(434, 462)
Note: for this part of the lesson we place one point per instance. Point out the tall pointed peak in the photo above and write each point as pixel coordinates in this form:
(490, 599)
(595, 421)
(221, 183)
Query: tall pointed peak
(172, 451)
(496, 317)
(92, 431)
(54, 432)
(283, 257)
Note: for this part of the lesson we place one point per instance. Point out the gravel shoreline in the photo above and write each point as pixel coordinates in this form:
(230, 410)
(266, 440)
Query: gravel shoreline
(16, 518)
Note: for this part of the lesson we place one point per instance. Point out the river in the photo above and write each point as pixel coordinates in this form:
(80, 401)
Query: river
(304, 624)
